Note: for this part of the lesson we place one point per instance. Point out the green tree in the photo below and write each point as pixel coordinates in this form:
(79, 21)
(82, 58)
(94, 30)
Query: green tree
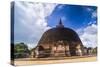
(95, 51)
(21, 50)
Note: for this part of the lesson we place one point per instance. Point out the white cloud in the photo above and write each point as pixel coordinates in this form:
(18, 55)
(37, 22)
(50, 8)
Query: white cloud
(89, 9)
(61, 6)
(30, 20)
(88, 35)
(93, 22)
(94, 14)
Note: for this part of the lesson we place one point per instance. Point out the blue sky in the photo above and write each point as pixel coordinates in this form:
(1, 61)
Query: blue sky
(73, 16)
(33, 19)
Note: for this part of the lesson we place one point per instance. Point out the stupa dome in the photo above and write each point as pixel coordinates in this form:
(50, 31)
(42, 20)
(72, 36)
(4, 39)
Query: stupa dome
(60, 39)
(59, 33)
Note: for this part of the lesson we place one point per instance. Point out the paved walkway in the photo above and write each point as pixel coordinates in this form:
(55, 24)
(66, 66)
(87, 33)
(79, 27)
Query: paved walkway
(34, 61)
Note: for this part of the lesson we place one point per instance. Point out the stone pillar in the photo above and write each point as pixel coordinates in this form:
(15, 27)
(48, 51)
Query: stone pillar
(67, 52)
(53, 50)
(36, 53)
(78, 50)
(32, 54)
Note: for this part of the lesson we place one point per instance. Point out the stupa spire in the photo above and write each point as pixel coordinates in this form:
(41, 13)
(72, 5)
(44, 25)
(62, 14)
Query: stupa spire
(60, 24)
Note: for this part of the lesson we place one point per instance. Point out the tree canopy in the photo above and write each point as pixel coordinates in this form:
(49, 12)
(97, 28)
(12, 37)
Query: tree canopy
(21, 49)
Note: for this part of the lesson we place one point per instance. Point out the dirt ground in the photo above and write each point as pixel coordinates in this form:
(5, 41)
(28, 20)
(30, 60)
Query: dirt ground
(34, 61)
